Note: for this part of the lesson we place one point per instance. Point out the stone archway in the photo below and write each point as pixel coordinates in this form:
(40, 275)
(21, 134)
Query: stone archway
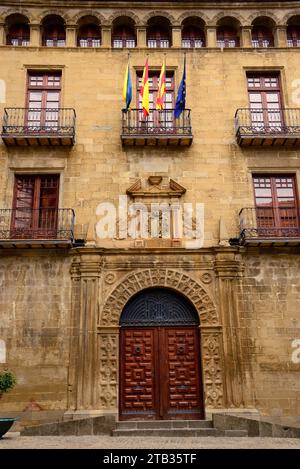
(210, 331)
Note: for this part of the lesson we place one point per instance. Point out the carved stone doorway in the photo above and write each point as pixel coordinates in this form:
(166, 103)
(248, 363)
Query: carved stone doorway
(160, 371)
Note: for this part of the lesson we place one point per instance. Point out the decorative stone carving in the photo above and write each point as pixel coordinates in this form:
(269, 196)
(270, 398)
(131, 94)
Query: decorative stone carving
(136, 281)
(206, 278)
(212, 369)
(108, 370)
(156, 189)
(110, 278)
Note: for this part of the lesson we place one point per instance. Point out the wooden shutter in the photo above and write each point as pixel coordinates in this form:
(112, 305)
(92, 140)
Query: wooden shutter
(276, 204)
(35, 205)
(43, 100)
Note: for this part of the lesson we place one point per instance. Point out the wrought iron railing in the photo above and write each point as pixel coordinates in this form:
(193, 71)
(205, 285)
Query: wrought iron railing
(39, 121)
(89, 42)
(270, 222)
(158, 43)
(43, 223)
(119, 43)
(157, 123)
(192, 43)
(267, 121)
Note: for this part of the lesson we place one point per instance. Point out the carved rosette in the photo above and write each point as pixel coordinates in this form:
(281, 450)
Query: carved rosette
(212, 369)
(108, 346)
(139, 280)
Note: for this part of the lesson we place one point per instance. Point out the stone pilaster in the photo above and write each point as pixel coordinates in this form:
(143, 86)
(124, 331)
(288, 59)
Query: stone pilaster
(106, 36)
(83, 373)
(213, 367)
(2, 35)
(211, 36)
(108, 340)
(280, 36)
(176, 36)
(141, 36)
(246, 36)
(71, 36)
(228, 270)
(35, 35)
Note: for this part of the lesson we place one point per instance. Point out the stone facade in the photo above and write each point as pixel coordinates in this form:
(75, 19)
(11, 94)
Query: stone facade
(60, 308)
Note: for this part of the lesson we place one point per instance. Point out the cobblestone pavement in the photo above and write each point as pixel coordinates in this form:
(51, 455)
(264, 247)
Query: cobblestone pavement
(14, 440)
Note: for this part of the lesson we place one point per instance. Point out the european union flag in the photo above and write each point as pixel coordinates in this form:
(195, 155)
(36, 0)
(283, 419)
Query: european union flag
(127, 88)
(180, 101)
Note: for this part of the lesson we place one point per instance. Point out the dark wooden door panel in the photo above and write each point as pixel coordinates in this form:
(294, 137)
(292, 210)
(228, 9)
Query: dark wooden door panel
(181, 374)
(160, 375)
(138, 391)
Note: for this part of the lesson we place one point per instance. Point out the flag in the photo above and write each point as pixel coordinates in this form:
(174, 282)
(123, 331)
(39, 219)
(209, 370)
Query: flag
(180, 101)
(127, 88)
(144, 91)
(161, 88)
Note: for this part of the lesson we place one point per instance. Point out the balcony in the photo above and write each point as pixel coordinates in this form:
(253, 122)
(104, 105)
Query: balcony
(268, 127)
(38, 127)
(40, 228)
(270, 226)
(159, 129)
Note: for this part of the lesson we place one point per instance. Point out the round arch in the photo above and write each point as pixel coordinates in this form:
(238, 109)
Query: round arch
(168, 278)
(164, 14)
(124, 13)
(158, 306)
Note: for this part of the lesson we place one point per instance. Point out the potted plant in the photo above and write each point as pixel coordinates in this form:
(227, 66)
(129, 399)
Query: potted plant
(7, 382)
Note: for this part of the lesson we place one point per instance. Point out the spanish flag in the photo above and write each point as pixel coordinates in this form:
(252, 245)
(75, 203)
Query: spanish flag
(127, 88)
(144, 91)
(161, 88)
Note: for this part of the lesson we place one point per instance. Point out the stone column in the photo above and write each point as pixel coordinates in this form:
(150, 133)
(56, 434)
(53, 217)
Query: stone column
(176, 36)
(141, 36)
(211, 36)
(84, 366)
(280, 36)
(71, 36)
(106, 36)
(2, 35)
(35, 35)
(246, 36)
(228, 270)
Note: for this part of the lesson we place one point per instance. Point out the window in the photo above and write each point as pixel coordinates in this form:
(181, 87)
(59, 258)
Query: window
(227, 37)
(157, 120)
(35, 206)
(18, 35)
(293, 36)
(265, 103)
(54, 34)
(43, 100)
(262, 37)
(277, 212)
(123, 36)
(89, 36)
(192, 37)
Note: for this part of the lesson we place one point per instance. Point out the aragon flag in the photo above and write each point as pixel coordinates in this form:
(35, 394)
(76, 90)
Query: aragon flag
(161, 88)
(144, 91)
(127, 88)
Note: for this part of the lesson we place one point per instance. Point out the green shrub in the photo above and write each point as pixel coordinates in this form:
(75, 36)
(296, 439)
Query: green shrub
(7, 381)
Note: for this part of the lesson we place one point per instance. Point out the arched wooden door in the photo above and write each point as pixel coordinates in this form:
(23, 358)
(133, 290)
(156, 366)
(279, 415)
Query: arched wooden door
(160, 374)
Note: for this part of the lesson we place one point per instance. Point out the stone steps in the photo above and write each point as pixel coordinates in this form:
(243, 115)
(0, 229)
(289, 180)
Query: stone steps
(173, 428)
(163, 424)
